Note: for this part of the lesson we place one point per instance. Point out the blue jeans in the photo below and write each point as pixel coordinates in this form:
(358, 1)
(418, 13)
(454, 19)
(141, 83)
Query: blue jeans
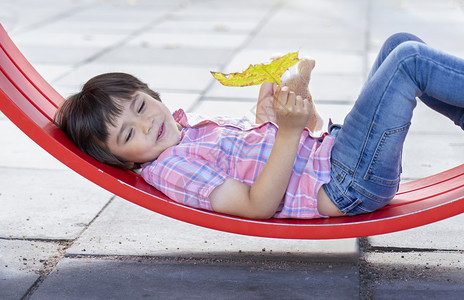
(366, 157)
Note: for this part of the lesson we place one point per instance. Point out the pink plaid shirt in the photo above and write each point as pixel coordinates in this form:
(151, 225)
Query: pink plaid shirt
(210, 151)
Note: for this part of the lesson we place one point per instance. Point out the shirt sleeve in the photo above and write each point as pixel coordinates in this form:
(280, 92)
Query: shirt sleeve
(185, 180)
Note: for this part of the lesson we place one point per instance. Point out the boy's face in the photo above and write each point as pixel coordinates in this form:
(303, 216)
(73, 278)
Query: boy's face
(144, 129)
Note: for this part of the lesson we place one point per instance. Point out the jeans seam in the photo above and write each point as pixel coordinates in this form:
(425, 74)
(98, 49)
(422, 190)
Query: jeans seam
(369, 195)
(342, 166)
(378, 149)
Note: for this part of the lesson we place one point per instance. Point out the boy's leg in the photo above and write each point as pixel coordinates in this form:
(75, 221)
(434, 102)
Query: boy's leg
(456, 114)
(388, 46)
(366, 157)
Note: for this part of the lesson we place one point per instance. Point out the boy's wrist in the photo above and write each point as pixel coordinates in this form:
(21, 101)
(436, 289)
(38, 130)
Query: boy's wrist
(288, 136)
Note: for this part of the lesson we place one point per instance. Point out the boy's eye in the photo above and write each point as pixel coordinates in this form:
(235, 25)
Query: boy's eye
(129, 135)
(142, 106)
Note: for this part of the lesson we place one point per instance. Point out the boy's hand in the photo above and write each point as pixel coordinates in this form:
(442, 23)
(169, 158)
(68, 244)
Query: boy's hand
(264, 106)
(292, 111)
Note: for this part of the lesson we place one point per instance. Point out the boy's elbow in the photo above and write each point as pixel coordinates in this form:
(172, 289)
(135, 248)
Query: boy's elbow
(263, 215)
(258, 215)
(260, 210)
(235, 198)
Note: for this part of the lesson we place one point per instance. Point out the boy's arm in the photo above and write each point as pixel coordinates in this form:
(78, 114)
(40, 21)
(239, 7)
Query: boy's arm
(260, 201)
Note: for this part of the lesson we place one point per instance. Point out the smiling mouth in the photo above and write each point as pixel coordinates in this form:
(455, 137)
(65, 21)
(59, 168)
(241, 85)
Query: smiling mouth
(161, 132)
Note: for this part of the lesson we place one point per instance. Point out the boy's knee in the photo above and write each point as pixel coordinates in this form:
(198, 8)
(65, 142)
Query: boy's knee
(407, 49)
(401, 37)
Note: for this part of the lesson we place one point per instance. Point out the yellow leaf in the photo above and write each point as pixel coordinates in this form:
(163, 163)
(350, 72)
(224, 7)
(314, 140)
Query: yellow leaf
(257, 74)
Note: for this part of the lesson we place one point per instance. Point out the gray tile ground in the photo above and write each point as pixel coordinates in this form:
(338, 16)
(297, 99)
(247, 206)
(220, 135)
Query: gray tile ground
(144, 233)
(47, 204)
(22, 262)
(173, 45)
(416, 275)
(197, 279)
(444, 235)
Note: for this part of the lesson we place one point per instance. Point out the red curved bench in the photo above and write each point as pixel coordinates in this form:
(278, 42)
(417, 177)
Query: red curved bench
(30, 102)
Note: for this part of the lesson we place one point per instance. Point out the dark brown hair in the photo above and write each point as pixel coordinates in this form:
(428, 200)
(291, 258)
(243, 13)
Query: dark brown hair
(85, 116)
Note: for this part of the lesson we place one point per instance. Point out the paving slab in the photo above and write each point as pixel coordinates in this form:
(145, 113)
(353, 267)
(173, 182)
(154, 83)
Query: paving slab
(189, 39)
(17, 150)
(343, 12)
(347, 88)
(52, 72)
(47, 204)
(185, 56)
(337, 63)
(95, 25)
(428, 129)
(141, 232)
(332, 26)
(415, 275)
(225, 10)
(422, 157)
(327, 62)
(71, 39)
(174, 101)
(8, 16)
(126, 13)
(79, 278)
(443, 235)
(21, 263)
(308, 43)
(62, 54)
(436, 22)
(158, 76)
(226, 107)
(24, 15)
(418, 163)
(212, 24)
(118, 16)
(219, 91)
(426, 121)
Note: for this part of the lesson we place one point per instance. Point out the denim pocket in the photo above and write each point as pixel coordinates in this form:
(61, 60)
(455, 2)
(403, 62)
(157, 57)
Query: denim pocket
(338, 172)
(385, 166)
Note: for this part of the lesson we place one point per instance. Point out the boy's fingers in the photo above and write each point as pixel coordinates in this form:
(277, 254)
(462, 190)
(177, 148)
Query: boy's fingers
(283, 96)
(307, 105)
(291, 102)
(266, 89)
(276, 96)
(275, 86)
(299, 101)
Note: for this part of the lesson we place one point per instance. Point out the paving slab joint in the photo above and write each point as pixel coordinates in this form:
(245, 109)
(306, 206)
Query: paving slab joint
(408, 249)
(48, 266)
(366, 290)
(227, 258)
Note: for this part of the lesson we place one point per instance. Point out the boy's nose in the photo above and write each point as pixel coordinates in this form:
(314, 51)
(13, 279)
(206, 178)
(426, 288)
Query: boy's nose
(147, 124)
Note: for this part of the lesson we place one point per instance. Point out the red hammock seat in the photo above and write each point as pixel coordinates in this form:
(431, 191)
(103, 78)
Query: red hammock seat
(30, 102)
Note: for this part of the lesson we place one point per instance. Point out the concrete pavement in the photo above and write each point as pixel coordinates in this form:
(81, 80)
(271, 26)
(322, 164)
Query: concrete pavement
(62, 237)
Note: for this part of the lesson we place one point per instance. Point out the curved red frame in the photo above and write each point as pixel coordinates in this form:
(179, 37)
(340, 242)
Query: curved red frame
(30, 103)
